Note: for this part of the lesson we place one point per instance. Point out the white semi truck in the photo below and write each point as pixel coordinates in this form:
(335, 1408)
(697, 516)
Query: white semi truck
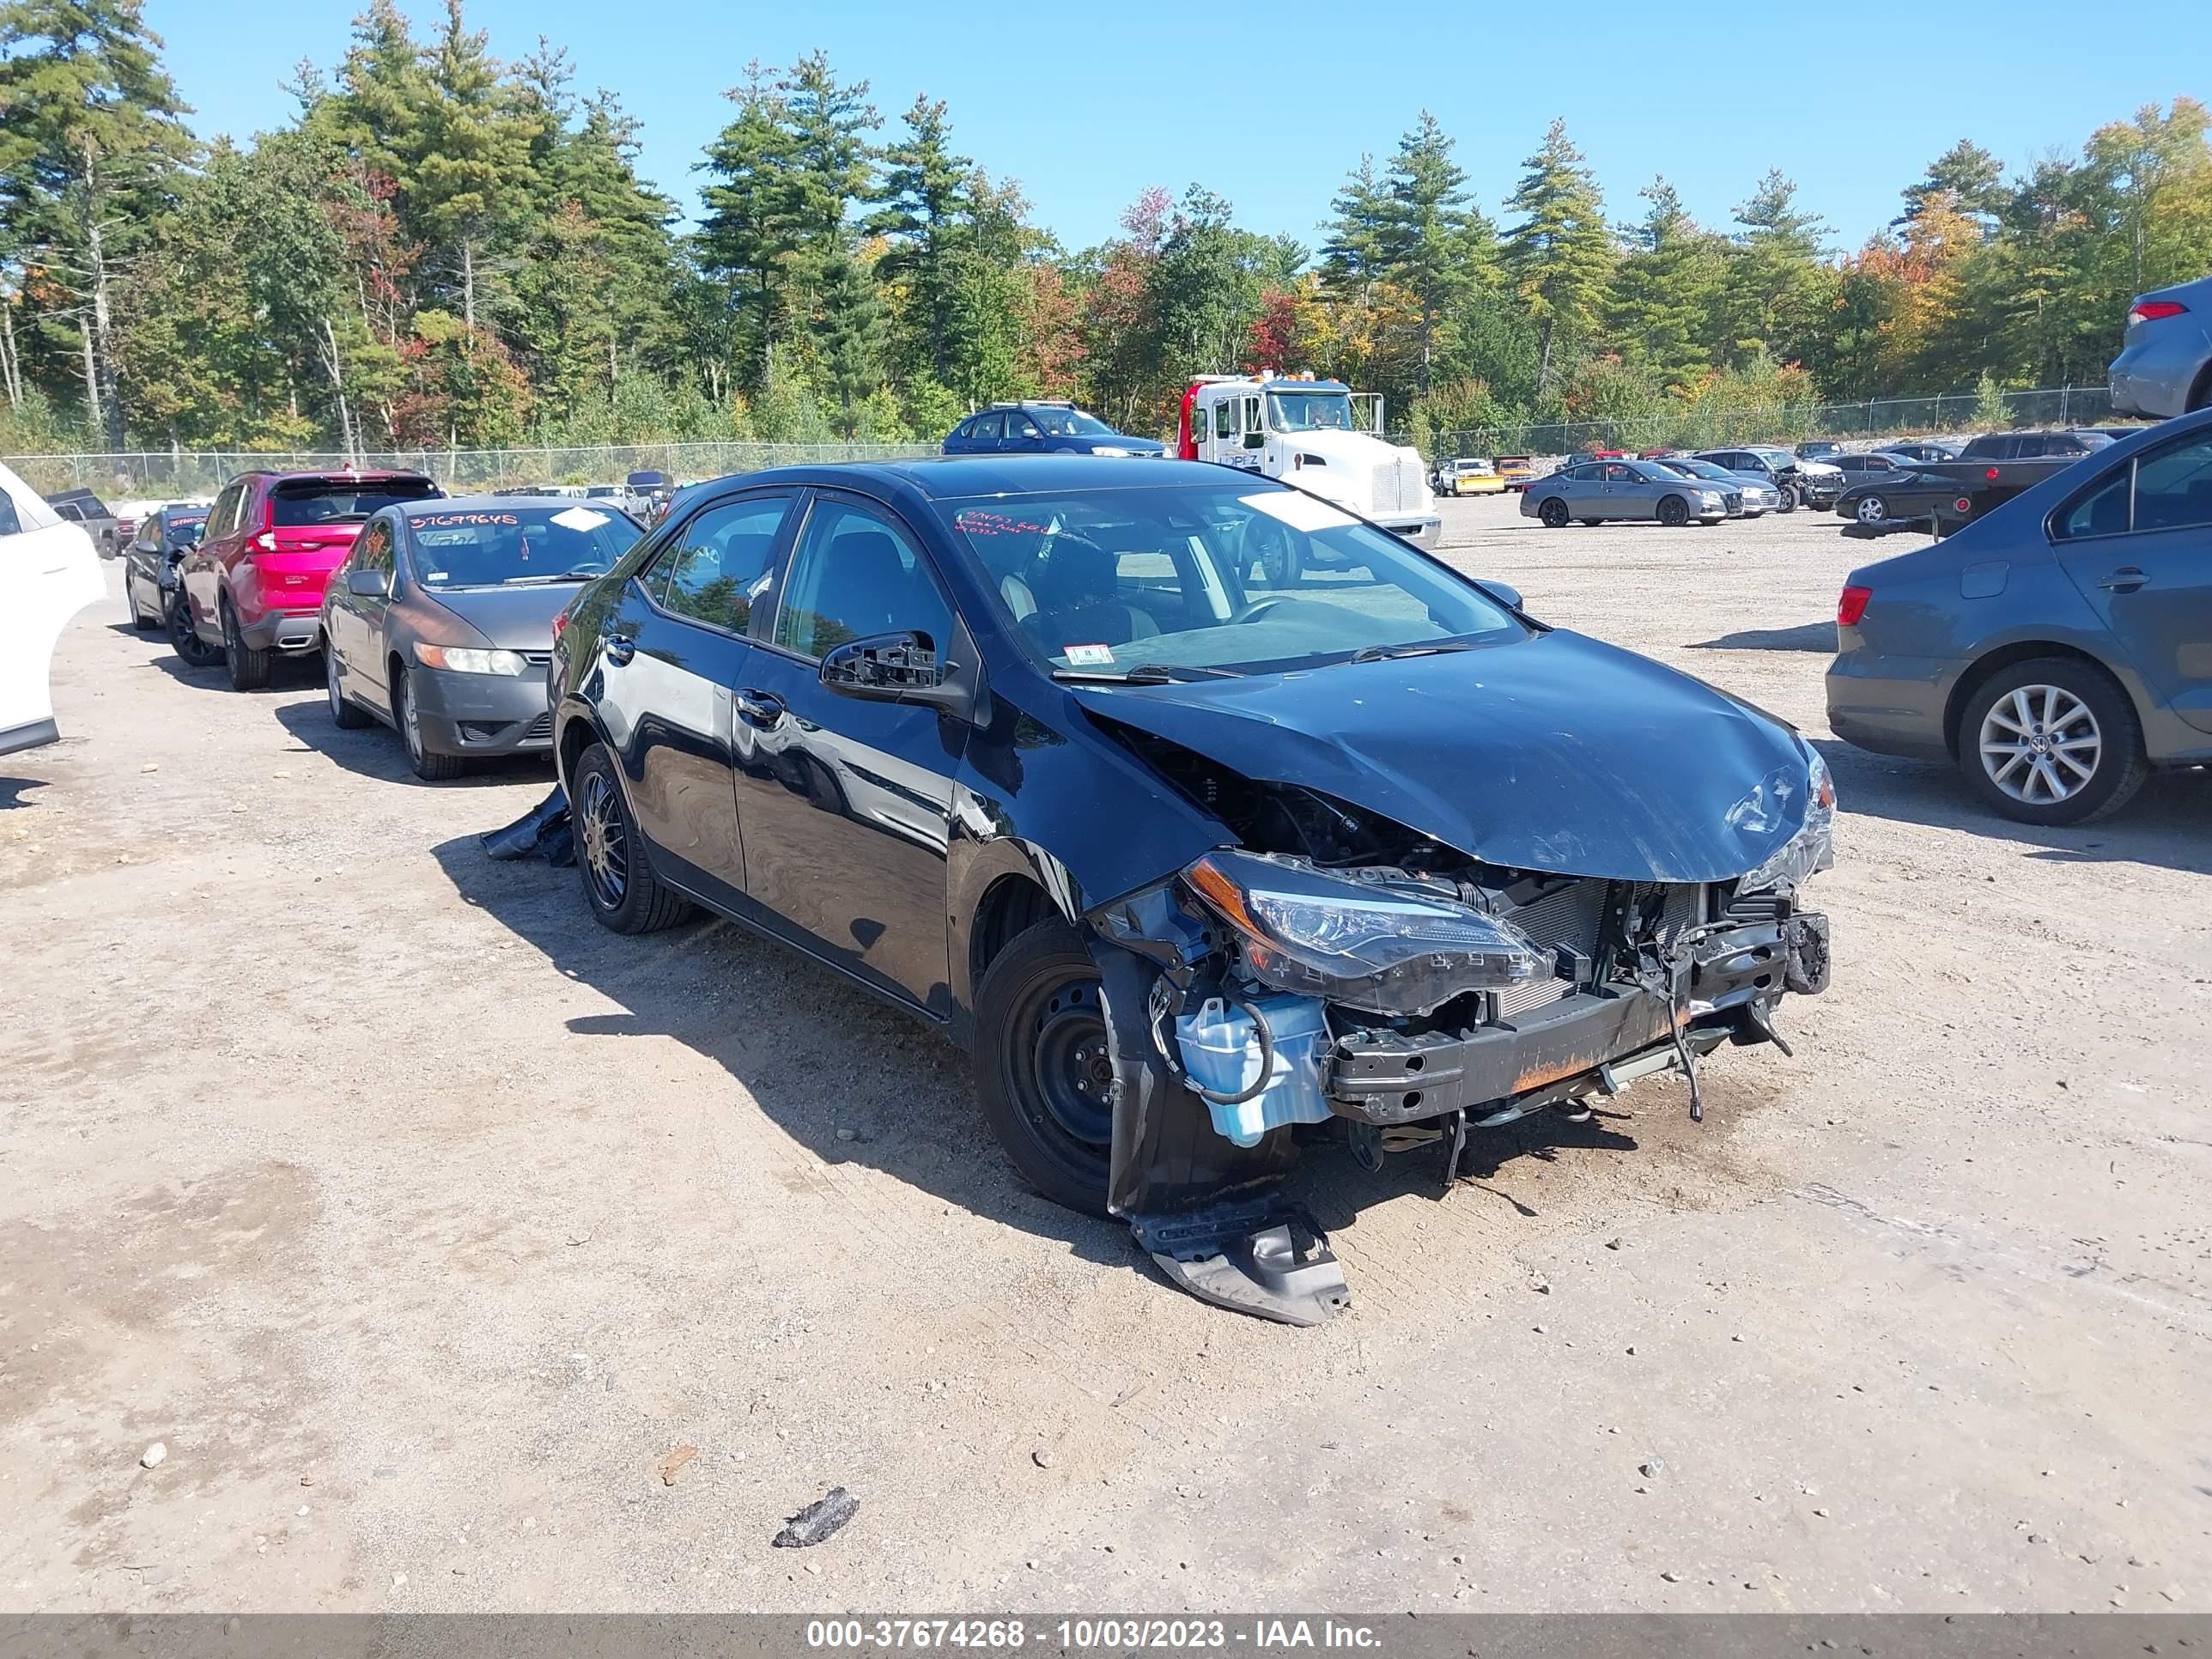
(1316, 435)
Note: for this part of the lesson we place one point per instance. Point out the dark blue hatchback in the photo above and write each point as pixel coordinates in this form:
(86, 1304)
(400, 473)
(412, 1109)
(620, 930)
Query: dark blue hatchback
(1042, 429)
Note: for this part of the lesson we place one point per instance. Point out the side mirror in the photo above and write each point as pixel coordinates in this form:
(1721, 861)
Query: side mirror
(369, 584)
(897, 667)
(1499, 589)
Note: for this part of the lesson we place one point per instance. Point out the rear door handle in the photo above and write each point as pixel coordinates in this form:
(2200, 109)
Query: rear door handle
(2125, 580)
(758, 708)
(619, 648)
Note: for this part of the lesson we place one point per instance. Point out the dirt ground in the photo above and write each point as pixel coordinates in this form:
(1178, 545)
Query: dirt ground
(421, 1222)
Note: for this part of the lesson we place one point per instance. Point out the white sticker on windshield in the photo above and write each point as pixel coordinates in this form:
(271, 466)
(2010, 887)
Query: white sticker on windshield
(579, 518)
(1087, 656)
(1299, 511)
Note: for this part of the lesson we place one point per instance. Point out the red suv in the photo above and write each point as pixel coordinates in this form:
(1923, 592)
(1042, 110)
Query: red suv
(255, 585)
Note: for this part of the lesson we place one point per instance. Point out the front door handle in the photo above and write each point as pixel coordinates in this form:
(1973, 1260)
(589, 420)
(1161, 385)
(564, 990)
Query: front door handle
(758, 708)
(2125, 580)
(619, 648)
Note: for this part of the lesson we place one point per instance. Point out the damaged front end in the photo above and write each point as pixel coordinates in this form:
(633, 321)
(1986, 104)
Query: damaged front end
(1340, 976)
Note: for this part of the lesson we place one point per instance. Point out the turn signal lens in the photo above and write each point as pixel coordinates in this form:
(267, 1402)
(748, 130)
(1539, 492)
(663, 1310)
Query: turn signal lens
(1852, 607)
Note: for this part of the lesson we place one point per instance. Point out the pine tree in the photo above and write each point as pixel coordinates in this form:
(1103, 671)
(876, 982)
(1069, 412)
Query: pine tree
(1780, 291)
(923, 196)
(1560, 254)
(1666, 289)
(467, 173)
(90, 154)
(832, 165)
(1971, 177)
(752, 222)
(849, 338)
(1430, 242)
(1353, 258)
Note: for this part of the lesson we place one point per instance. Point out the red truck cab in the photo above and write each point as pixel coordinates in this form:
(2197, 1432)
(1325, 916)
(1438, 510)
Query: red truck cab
(254, 586)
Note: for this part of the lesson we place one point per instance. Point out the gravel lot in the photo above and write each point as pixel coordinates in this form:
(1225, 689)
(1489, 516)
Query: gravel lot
(422, 1221)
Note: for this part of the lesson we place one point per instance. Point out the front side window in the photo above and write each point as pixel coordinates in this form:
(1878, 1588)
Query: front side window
(1211, 579)
(856, 574)
(2173, 490)
(1224, 417)
(11, 522)
(718, 567)
(373, 552)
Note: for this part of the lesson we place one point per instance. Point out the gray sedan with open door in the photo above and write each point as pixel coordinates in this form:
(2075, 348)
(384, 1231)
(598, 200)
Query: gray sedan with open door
(1594, 491)
(440, 621)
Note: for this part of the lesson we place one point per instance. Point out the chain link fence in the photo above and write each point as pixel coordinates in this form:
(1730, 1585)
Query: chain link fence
(1692, 428)
(183, 475)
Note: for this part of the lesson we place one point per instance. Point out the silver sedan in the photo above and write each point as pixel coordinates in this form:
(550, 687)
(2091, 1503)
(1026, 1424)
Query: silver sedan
(1595, 491)
(1759, 497)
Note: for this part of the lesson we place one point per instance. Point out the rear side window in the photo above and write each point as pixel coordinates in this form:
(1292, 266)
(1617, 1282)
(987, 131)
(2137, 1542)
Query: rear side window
(11, 522)
(2168, 490)
(303, 503)
(716, 568)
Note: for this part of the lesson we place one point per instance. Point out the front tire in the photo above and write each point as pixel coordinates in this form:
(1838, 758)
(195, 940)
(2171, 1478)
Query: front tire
(429, 766)
(249, 669)
(1554, 513)
(2052, 742)
(625, 895)
(1789, 493)
(343, 714)
(184, 639)
(1674, 512)
(1042, 1069)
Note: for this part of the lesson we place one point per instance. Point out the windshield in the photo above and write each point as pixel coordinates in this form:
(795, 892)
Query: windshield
(1310, 411)
(489, 547)
(1071, 423)
(1653, 471)
(1190, 580)
(1695, 469)
(314, 502)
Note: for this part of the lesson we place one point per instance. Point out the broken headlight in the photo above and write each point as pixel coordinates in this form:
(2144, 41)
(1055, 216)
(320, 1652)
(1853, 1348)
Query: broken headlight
(1386, 944)
(1811, 849)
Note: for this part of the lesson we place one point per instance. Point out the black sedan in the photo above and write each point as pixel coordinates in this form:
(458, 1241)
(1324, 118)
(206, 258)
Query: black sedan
(1894, 497)
(1186, 859)
(149, 562)
(440, 620)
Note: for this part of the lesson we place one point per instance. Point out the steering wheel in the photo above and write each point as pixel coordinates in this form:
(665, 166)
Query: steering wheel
(1256, 609)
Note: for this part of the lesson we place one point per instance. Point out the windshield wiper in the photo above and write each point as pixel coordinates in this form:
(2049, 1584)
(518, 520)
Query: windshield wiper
(1419, 648)
(1148, 673)
(565, 576)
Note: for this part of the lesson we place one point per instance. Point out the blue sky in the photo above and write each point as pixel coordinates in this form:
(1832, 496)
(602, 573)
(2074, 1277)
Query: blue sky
(1087, 105)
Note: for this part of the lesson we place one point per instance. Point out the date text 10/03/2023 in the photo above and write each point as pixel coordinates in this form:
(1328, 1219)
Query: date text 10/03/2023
(1119, 1635)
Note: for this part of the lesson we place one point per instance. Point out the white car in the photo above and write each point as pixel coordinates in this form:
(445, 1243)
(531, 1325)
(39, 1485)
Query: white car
(49, 571)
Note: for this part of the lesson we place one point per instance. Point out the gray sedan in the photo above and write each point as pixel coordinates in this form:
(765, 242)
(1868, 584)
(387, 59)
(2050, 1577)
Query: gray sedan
(1594, 491)
(2057, 648)
(2165, 365)
(440, 620)
(1759, 497)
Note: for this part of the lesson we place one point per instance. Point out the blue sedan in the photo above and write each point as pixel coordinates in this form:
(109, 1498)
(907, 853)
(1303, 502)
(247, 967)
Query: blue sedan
(1041, 429)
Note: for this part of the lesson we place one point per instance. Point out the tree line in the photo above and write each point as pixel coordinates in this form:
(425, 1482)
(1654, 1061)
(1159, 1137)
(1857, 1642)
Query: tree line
(443, 248)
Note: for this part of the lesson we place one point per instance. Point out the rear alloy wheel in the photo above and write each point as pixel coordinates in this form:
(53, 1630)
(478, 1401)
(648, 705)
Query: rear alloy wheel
(619, 884)
(1674, 512)
(429, 766)
(343, 714)
(249, 669)
(2052, 742)
(1871, 509)
(1044, 1068)
(1554, 514)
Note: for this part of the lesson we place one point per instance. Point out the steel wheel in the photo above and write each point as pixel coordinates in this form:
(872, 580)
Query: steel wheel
(603, 841)
(1062, 1066)
(1871, 509)
(2040, 744)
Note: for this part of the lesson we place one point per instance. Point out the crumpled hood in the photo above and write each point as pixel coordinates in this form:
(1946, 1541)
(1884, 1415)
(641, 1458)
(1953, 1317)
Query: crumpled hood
(1557, 753)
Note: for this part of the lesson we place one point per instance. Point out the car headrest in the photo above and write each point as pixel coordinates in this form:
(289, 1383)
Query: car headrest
(1073, 571)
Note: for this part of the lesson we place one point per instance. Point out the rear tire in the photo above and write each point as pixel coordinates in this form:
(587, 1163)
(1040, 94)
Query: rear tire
(1554, 513)
(623, 894)
(249, 669)
(1041, 1068)
(1870, 509)
(2074, 714)
(343, 714)
(429, 766)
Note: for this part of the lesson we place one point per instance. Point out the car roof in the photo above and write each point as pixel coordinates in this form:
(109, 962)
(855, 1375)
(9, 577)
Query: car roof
(489, 504)
(952, 477)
